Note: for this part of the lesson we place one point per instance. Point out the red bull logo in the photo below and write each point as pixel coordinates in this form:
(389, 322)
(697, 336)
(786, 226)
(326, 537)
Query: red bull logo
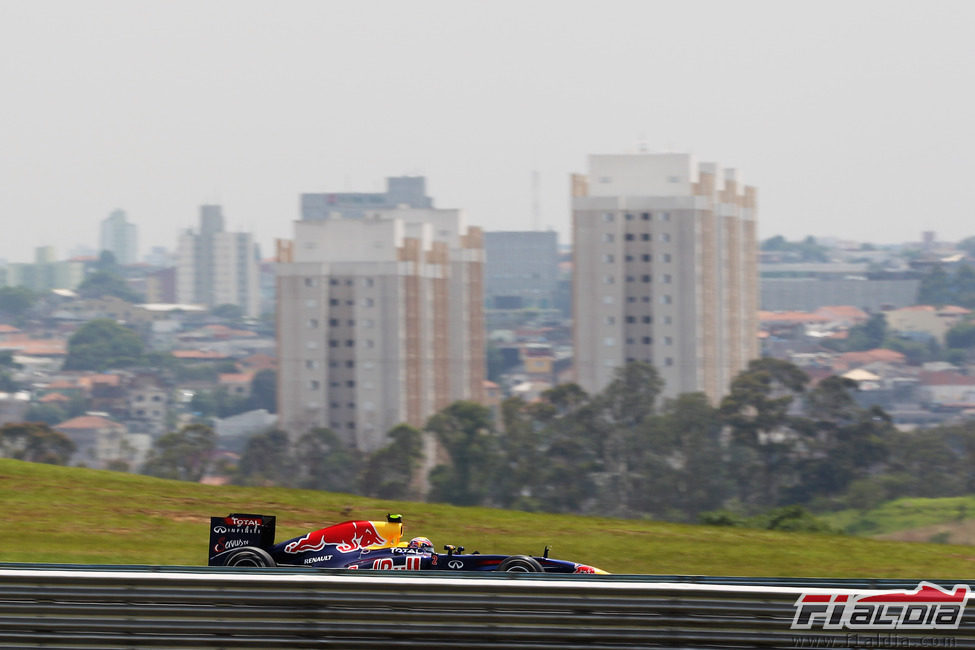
(347, 537)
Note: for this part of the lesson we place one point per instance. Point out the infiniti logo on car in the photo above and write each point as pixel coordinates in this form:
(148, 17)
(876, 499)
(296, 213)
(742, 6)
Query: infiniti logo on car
(455, 564)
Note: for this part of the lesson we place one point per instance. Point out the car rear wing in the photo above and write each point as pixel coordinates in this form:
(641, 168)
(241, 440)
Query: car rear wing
(237, 530)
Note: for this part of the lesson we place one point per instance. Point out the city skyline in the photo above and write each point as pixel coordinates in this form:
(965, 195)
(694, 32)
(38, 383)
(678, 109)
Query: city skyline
(853, 119)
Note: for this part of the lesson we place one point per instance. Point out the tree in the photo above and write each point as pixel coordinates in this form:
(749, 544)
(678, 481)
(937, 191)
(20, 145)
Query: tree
(267, 460)
(961, 336)
(184, 455)
(103, 283)
(389, 472)
(228, 311)
(264, 391)
(464, 430)
(869, 335)
(101, 344)
(756, 411)
(35, 442)
(16, 301)
(49, 414)
(324, 462)
(935, 287)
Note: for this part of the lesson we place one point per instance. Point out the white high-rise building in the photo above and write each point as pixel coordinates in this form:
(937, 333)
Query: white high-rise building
(216, 267)
(380, 320)
(119, 237)
(665, 271)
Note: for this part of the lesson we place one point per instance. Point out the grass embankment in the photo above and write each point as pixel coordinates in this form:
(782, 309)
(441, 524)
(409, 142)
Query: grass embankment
(74, 515)
(946, 519)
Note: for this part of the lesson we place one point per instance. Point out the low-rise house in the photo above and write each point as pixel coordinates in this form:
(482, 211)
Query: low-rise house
(947, 389)
(98, 440)
(924, 322)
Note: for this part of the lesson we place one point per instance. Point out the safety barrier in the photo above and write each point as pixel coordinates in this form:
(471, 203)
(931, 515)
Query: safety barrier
(57, 606)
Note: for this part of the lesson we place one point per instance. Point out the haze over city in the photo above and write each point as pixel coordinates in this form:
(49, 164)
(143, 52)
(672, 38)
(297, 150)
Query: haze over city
(853, 120)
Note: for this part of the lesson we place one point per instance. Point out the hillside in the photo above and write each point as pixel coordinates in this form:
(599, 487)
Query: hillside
(75, 515)
(946, 519)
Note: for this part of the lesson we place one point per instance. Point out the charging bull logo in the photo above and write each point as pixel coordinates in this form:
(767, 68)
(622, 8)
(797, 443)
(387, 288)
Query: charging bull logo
(347, 537)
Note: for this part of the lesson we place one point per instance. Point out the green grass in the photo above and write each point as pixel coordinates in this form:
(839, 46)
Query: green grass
(74, 515)
(903, 514)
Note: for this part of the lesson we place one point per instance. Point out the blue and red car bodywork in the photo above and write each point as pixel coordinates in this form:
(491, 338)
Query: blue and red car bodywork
(248, 540)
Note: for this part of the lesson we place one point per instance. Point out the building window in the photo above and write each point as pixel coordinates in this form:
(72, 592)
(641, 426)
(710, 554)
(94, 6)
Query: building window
(609, 341)
(368, 323)
(631, 299)
(610, 320)
(609, 259)
(333, 343)
(645, 216)
(667, 278)
(350, 383)
(333, 302)
(368, 302)
(629, 258)
(370, 343)
(629, 341)
(666, 236)
(607, 217)
(333, 282)
(645, 236)
(350, 364)
(349, 343)
(668, 340)
(629, 217)
(314, 384)
(629, 278)
(608, 279)
(666, 216)
(311, 345)
(333, 322)
(311, 303)
(608, 237)
(669, 361)
(645, 278)
(631, 319)
(647, 340)
(666, 300)
(647, 319)
(628, 236)
(607, 300)
(313, 323)
(668, 320)
(310, 282)
(666, 257)
(367, 282)
(646, 258)
(310, 364)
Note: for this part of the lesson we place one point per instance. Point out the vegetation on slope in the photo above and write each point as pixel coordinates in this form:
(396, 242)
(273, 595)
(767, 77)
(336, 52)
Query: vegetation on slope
(75, 515)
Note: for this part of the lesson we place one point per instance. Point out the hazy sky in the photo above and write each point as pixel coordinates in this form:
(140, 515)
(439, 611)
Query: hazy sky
(854, 119)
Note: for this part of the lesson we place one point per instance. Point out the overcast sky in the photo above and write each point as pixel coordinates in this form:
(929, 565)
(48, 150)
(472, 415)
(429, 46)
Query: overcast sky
(853, 119)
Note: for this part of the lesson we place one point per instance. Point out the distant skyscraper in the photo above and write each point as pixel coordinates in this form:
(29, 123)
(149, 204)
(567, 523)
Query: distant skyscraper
(380, 316)
(521, 269)
(665, 271)
(120, 238)
(217, 267)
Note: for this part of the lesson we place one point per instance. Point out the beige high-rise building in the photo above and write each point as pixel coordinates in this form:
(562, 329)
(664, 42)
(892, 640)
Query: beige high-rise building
(380, 320)
(665, 271)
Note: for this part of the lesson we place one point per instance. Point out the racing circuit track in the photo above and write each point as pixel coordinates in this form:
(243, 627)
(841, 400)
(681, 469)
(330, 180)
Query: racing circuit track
(61, 606)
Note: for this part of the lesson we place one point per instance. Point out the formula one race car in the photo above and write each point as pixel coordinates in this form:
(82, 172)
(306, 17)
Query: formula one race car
(248, 540)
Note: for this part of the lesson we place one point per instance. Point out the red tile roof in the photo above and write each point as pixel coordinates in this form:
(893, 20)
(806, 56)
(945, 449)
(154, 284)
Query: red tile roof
(88, 422)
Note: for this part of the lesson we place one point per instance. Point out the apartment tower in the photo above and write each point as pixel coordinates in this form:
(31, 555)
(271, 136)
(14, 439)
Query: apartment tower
(119, 237)
(216, 267)
(665, 271)
(380, 314)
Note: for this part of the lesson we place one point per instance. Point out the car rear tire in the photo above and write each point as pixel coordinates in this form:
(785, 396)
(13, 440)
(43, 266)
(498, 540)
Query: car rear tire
(520, 564)
(249, 556)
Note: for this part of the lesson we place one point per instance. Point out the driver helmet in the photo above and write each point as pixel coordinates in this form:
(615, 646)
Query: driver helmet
(422, 544)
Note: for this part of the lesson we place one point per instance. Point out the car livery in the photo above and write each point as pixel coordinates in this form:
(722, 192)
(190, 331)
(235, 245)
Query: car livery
(248, 540)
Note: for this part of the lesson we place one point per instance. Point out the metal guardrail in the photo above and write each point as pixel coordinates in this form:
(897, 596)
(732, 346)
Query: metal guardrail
(64, 606)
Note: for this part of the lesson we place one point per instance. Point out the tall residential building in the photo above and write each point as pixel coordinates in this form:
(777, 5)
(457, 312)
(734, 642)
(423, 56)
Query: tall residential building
(521, 269)
(120, 238)
(215, 267)
(380, 320)
(665, 271)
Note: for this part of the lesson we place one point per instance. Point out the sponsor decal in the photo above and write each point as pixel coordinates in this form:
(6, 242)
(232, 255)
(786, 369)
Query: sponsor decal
(455, 564)
(220, 530)
(241, 522)
(347, 537)
(927, 607)
(320, 558)
(583, 568)
(224, 544)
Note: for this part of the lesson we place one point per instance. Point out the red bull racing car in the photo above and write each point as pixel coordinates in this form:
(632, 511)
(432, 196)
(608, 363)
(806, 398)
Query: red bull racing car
(248, 540)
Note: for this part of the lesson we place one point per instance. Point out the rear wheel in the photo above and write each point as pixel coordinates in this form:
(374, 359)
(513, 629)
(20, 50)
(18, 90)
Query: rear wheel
(249, 556)
(520, 564)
